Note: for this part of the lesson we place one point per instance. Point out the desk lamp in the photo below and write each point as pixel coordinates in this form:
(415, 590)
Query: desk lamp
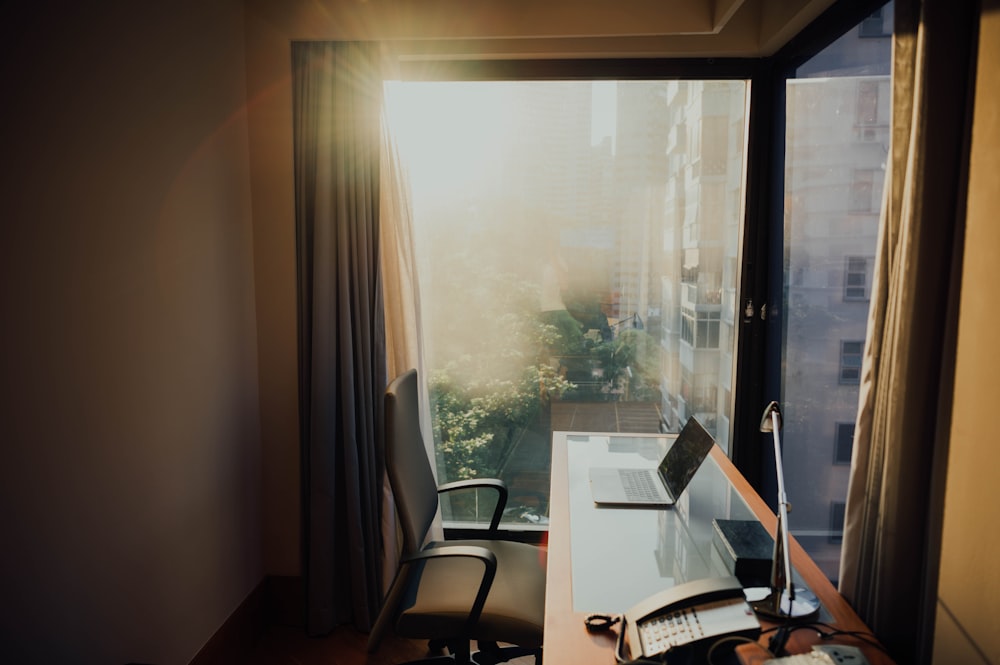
(782, 600)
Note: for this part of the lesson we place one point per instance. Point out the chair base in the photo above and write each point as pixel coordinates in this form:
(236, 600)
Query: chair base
(462, 654)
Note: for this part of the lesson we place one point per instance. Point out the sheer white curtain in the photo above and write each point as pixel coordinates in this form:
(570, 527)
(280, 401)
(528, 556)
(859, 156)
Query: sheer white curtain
(401, 302)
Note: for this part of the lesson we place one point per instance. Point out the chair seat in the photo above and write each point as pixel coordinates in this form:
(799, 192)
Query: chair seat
(445, 589)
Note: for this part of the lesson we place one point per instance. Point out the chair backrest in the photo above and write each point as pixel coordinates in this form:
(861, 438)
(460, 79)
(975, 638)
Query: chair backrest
(406, 460)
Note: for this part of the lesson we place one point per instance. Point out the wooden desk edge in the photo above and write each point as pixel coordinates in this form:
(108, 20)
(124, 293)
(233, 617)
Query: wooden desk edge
(566, 637)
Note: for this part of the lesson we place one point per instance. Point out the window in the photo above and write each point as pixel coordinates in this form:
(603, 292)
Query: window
(573, 248)
(857, 274)
(843, 443)
(868, 101)
(862, 190)
(700, 329)
(850, 361)
(874, 25)
(836, 141)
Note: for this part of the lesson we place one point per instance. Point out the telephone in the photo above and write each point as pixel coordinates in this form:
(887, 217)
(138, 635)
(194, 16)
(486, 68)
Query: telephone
(692, 614)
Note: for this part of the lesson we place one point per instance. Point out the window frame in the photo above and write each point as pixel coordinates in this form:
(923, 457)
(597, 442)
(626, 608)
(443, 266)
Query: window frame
(866, 273)
(839, 19)
(759, 278)
(845, 354)
(756, 72)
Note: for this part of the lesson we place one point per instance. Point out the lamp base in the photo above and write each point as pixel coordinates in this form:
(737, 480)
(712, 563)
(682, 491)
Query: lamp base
(777, 605)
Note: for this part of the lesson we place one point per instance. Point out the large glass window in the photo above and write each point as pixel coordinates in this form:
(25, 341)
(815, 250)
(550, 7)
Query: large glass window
(836, 146)
(577, 249)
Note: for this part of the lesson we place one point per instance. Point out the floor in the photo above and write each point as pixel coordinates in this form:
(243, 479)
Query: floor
(289, 645)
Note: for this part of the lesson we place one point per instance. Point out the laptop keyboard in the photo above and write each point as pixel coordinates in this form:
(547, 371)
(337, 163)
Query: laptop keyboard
(639, 485)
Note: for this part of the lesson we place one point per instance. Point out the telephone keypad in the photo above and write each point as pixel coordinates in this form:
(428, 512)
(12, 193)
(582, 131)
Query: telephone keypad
(670, 630)
(684, 626)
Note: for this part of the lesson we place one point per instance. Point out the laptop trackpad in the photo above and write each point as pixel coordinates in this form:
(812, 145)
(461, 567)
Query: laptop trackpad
(627, 487)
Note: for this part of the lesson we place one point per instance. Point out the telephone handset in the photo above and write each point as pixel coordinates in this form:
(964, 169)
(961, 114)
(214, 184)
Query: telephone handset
(701, 611)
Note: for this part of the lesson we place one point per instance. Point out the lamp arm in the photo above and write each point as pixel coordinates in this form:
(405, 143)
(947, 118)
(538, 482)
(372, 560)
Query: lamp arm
(781, 558)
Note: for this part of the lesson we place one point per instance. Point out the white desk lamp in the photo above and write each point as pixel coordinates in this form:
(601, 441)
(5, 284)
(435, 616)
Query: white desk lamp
(782, 600)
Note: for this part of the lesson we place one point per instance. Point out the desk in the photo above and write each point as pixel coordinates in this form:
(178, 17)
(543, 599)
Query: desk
(605, 559)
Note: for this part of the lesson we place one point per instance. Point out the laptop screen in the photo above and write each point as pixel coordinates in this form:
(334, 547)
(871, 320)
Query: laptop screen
(685, 456)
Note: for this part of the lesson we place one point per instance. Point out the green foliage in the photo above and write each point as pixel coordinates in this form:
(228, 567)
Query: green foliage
(493, 383)
(477, 420)
(501, 361)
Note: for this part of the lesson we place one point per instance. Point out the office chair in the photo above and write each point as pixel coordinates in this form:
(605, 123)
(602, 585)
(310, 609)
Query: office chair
(453, 592)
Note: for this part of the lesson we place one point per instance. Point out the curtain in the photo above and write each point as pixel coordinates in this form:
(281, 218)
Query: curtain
(337, 91)
(404, 340)
(894, 504)
(401, 294)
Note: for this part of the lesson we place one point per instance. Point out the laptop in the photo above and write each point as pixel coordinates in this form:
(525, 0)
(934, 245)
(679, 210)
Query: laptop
(659, 487)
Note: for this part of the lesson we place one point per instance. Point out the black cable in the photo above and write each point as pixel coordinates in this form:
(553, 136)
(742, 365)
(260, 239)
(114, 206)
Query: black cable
(830, 633)
(732, 638)
(780, 639)
(864, 636)
(598, 623)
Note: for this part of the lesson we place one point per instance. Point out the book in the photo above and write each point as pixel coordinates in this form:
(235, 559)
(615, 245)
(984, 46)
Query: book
(746, 550)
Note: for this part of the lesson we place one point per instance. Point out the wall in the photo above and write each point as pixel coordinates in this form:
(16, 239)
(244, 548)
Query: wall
(130, 464)
(969, 584)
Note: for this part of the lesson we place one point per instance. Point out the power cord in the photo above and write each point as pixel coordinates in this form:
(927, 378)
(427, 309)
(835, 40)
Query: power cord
(826, 632)
(732, 638)
(599, 623)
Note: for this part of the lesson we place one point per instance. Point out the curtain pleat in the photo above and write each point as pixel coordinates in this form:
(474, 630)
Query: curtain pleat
(337, 101)
(889, 558)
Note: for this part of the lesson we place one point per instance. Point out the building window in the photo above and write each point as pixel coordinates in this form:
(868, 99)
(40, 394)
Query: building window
(837, 512)
(715, 146)
(850, 361)
(862, 189)
(868, 101)
(857, 278)
(700, 329)
(874, 25)
(843, 443)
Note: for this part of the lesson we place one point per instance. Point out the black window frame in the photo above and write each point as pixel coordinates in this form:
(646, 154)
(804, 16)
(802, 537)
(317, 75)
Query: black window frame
(757, 377)
(838, 511)
(839, 19)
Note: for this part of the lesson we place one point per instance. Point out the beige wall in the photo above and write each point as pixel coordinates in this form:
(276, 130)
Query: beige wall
(130, 464)
(969, 585)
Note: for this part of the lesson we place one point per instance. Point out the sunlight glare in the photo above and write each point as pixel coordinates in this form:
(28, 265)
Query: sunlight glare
(457, 128)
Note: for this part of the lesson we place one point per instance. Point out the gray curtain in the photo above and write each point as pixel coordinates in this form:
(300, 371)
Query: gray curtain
(894, 505)
(337, 90)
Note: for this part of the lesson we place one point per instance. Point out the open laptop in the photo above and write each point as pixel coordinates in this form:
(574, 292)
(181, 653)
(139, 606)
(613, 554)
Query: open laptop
(659, 487)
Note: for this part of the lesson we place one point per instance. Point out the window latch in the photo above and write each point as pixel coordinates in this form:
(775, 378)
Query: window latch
(748, 310)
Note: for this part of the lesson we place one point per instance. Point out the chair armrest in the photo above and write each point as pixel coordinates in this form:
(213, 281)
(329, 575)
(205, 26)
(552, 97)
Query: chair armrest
(494, 483)
(488, 558)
